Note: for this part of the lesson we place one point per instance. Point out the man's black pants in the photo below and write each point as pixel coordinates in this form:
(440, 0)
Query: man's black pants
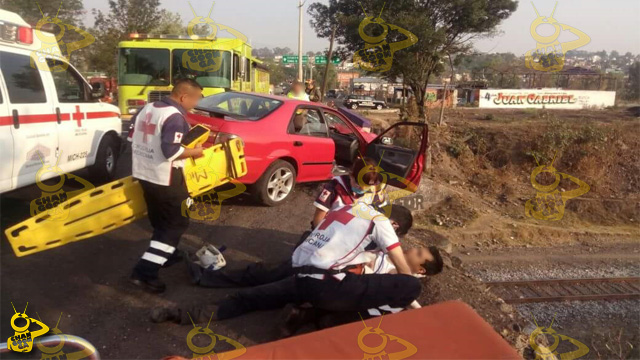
(164, 208)
(355, 293)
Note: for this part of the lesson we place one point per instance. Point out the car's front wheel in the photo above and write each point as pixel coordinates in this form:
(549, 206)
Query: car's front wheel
(104, 169)
(379, 106)
(276, 184)
(354, 106)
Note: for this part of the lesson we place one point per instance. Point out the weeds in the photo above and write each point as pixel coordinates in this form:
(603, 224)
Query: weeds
(617, 349)
(559, 136)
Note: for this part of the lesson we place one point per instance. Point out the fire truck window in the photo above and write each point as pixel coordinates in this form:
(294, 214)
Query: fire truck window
(144, 67)
(247, 70)
(69, 84)
(236, 67)
(210, 68)
(24, 83)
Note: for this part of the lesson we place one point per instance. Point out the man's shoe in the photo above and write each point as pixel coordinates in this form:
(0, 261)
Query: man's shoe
(294, 318)
(175, 258)
(155, 286)
(164, 314)
(195, 270)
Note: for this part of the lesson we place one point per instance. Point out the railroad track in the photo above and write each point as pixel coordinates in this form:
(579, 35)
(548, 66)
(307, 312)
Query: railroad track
(529, 291)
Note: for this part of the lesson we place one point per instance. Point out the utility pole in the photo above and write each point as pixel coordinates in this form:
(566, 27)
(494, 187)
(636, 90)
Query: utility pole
(300, 75)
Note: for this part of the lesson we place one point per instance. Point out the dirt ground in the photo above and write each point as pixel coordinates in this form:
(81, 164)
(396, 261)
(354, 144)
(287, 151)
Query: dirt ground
(481, 159)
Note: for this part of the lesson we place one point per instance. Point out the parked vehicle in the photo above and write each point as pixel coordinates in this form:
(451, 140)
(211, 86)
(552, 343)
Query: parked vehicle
(358, 101)
(289, 141)
(49, 114)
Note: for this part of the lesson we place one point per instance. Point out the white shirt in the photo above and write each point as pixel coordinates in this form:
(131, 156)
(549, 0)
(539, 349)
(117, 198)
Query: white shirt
(342, 238)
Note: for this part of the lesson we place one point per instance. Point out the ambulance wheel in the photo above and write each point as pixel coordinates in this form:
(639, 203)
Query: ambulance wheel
(379, 106)
(354, 106)
(276, 184)
(104, 169)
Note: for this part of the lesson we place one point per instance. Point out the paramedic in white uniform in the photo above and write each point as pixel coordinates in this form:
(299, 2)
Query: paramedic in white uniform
(157, 163)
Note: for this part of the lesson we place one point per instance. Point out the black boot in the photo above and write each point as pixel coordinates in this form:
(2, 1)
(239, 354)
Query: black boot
(155, 286)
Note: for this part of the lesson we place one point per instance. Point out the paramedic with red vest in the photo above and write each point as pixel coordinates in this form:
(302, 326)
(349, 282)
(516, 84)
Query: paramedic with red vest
(157, 163)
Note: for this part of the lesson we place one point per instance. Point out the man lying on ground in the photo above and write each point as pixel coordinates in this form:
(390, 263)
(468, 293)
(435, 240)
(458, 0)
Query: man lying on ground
(329, 268)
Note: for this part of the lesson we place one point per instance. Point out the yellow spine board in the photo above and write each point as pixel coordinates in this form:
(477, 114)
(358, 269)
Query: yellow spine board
(218, 165)
(120, 202)
(91, 213)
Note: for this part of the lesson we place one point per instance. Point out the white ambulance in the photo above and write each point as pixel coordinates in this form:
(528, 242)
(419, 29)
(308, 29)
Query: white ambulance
(48, 112)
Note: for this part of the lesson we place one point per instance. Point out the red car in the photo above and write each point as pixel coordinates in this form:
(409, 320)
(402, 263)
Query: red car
(289, 141)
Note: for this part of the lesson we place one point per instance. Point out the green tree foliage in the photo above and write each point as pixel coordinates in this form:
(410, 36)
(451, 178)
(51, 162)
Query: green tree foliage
(442, 26)
(633, 83)
(124, 17)
(70, 11)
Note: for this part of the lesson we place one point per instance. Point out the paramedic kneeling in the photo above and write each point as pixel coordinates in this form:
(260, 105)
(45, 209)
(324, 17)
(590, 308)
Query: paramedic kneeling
(329, 263)
(157, 161)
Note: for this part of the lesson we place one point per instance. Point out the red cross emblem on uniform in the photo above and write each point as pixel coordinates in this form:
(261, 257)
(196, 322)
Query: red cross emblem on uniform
(342, 216)
(147, 127)
(78, 116)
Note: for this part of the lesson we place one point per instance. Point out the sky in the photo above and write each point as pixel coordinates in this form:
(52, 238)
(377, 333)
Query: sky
(611, 24)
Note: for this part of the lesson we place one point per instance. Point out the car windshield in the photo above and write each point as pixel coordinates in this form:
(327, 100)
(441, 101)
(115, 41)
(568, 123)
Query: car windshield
(143, 67)
(239, 105)
(210, 68)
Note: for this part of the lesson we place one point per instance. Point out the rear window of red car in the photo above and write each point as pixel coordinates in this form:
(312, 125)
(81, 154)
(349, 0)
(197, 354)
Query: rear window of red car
(240, 106)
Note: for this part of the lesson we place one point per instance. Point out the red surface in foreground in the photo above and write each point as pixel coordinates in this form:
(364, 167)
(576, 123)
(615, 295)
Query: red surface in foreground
(449, 330)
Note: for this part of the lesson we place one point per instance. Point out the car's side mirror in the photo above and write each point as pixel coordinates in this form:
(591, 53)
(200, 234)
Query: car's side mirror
(386, 140)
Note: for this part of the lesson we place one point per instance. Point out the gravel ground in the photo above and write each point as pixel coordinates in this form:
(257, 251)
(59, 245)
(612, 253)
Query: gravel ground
(500, 272)
(608, 328)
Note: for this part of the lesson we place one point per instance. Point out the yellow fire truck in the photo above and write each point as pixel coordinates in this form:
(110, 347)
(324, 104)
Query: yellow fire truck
(148, 66)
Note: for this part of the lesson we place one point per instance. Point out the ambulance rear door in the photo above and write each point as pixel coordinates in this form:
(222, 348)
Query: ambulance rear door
(6, 141)
(34, 125)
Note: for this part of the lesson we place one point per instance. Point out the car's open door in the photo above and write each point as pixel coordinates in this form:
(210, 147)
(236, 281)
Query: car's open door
(401, 153)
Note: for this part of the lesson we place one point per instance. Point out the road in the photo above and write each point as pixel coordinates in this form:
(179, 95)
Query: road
(87, 281)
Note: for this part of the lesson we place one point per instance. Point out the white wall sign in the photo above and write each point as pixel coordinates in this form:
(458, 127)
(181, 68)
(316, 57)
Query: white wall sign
(547, 98)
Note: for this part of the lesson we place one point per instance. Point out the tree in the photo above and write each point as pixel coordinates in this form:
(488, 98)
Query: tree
(325, 21)
(124, 17)
(443, 27)
(633, 83)
(69, 11)
(170, 23)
